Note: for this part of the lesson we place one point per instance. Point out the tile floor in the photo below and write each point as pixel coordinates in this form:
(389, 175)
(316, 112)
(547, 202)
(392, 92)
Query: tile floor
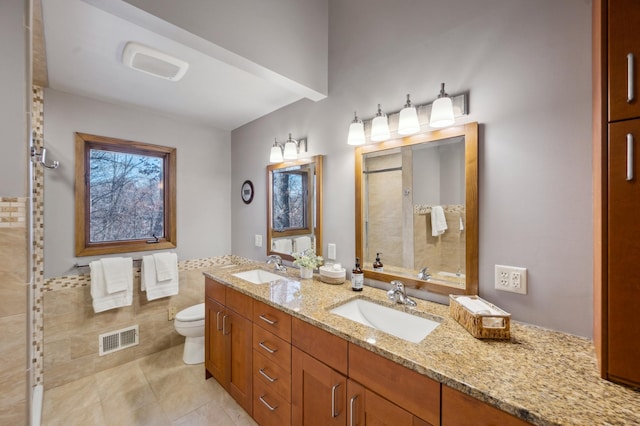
(157, 390)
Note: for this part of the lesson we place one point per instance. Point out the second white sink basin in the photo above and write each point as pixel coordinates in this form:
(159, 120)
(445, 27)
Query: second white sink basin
(258, 276)
(392, 321)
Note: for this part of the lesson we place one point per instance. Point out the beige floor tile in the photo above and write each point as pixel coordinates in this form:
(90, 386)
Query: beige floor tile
(179, 392)
(72, 396)
(211, 413)
(146, 415)
(82, 416)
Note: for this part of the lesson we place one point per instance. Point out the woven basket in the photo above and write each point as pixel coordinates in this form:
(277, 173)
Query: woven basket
(329, 280)
(481, 326)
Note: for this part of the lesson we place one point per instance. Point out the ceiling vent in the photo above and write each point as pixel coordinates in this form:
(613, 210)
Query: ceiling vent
(153, 62)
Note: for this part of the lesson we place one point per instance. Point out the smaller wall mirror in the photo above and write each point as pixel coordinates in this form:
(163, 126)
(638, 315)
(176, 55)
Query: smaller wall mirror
(417, 205)
(294, 207)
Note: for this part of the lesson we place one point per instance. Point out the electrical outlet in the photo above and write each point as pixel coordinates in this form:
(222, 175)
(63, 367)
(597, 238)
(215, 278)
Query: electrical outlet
(511, 278)
(258, 240)
(173, 310)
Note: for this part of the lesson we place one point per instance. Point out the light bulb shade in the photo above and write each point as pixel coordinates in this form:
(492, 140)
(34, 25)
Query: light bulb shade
(290, 151)
(276, 154)
(380, 129)
(408, 123)
(442, 113)
(356, 133)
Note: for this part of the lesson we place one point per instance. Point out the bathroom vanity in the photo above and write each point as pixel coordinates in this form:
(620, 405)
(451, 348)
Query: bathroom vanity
(287, 359)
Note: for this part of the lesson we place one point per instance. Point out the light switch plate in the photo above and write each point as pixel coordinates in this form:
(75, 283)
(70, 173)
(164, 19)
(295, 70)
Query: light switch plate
(258, 240)
(331, 251)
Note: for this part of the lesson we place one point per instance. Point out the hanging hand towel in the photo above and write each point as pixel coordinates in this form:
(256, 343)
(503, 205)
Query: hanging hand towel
(283, 245)
(438, 221)
(149, 280)
(302, 244)
(102, 300)
(116, 273)
(166, 266)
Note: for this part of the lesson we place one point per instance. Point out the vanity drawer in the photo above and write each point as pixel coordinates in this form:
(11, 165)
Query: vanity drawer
(214, 290)
(274, 378)
(320, 344)
(272, 319)
(272, 347)
(268, 407)
(239, 303)
(410, 390)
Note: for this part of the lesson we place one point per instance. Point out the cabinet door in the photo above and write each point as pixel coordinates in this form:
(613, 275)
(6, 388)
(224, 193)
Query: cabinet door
(215, 348)
(624, 252)
(238, 331)
(367, 408)
(459, 409)
(624, 70)
(318, 393)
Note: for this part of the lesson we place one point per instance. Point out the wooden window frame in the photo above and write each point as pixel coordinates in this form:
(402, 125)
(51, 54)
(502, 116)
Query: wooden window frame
(84, 143)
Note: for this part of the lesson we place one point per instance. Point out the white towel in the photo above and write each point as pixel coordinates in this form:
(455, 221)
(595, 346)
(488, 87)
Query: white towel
(438, 221)
(283, 245)
(149, 280)
(166, 266)
(116, 273)
(302, 244)
(102, 300)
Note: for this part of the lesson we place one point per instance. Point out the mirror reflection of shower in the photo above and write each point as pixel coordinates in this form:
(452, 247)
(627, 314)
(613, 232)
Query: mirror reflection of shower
(41, 158)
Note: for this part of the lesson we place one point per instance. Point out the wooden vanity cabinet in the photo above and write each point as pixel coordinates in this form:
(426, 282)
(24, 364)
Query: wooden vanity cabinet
(318, 376)
(413, 392)
(271, 365)
(616, 140)
(459, 409)
(228, 341)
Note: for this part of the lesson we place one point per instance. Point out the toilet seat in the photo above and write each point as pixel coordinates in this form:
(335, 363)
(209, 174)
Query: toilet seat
(192, 313)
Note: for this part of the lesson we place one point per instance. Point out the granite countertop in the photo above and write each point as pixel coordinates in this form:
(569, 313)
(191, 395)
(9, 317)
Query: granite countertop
(542, 376)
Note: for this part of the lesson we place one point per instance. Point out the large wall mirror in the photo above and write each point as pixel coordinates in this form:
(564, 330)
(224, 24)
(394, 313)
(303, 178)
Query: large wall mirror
(417, 205)
(294, 207)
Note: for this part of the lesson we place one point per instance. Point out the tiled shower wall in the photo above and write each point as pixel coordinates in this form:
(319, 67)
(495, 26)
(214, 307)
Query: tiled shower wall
(13, 310)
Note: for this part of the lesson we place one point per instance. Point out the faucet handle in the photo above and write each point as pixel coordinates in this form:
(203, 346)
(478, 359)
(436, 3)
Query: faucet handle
(397, 285)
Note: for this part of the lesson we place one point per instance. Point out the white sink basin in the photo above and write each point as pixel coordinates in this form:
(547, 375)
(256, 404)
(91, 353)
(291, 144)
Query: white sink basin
(258, 276)
(397, 323)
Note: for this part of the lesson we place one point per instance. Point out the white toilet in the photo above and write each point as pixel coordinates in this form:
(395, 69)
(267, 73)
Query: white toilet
(189, 322)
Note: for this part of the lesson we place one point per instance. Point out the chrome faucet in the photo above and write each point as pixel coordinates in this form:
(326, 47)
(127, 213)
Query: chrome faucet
(424, 274)
(277, 260)
(399, 295)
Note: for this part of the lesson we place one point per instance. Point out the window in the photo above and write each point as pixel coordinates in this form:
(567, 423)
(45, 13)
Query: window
(125, 196)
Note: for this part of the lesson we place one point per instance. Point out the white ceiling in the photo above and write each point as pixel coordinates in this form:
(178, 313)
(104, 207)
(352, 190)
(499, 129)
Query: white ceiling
(84, 48)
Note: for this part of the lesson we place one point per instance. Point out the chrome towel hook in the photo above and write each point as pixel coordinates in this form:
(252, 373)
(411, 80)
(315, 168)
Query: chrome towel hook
(41, 158)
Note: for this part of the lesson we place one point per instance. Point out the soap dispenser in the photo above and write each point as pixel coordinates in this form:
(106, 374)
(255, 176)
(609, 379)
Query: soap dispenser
(357, 277)
(377, 265)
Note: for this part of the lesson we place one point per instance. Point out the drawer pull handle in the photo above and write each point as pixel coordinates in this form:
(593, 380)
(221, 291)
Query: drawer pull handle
(629, 156)
(333, 401)
(266, 376)
(352, 405)
(224, 325)
(218, 321)
(267, 320)
(630, 72)
(267, 348)
(269, 406)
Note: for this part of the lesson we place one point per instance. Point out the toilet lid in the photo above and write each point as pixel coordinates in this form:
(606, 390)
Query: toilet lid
(192, 313)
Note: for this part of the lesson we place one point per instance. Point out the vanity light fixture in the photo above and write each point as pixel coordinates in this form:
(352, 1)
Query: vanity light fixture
(380, 127)
(286, 151)
(356, 132)
(276, 152)
(442, 110)
(408, 123)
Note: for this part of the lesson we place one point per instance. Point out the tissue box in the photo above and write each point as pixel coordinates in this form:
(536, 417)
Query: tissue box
(331, 275)
(479, 317)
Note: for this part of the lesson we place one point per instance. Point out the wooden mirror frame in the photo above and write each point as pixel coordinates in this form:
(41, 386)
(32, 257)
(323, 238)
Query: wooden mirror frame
(470, 134)
(317, 229)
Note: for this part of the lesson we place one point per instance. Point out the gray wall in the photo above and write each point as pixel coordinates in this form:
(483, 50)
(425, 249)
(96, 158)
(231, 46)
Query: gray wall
(13, 93)
(203, 178)
(527, 66)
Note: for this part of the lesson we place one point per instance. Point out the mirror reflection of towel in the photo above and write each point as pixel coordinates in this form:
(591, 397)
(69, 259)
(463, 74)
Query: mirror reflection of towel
(438, 221)
(302, 244)
(283, 245)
